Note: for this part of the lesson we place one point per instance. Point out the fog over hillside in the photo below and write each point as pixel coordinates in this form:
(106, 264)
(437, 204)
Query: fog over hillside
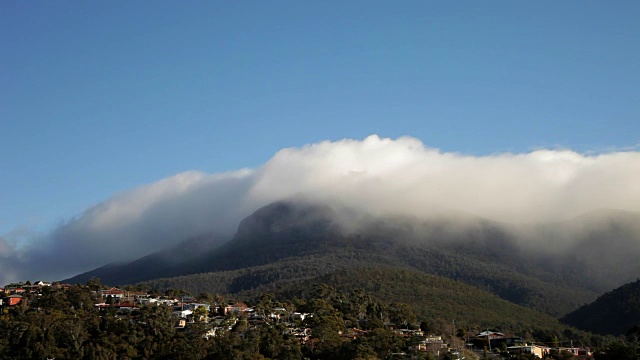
(379, 176)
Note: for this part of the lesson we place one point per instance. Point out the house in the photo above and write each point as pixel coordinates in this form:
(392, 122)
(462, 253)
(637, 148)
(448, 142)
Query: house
(182, 313)
(236, 308)
(149, 301)
(433, 339)
(488, 338)
(113, 292)
(583, 351)
(161, 301)
(507, 341)
(490, 335)
(573, 350)
(432, 343)
(193, 306)
(182, 323)
(124, 307)
(302, 334)
(60, 286)
(12, 287)
(536, 350)
(278, 313)
(300, 316)
(13, 299)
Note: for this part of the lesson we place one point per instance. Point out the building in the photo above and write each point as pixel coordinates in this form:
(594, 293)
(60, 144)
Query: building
(488, 338)
(115, 293)
(536, 350)
(13, 299)
(490, 335)
(236, 308)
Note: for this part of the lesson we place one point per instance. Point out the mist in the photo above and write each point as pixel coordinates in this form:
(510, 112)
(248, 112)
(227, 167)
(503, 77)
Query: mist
(379, 176)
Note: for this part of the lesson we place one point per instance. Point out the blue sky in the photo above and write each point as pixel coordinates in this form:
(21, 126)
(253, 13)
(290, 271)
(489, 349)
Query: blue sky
(99, 98)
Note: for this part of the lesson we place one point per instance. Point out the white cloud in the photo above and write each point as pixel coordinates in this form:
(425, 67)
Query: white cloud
(376, 174)
(405, 176)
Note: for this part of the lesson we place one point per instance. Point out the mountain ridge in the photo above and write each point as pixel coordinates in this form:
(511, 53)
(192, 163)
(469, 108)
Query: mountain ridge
(479, 252)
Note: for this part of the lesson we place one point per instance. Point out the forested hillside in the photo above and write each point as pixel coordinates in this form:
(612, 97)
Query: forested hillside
(432, 297)
(615, 312)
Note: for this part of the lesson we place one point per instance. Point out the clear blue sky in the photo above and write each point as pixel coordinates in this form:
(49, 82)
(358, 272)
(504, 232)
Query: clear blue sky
(97, 98)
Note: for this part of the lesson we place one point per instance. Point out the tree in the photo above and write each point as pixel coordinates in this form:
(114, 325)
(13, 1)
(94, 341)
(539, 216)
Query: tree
(323, 291)
(200, 314)
(360, 300)
(424, 326)
(383, 341)
(206, 298)
(633, 335)
(154, 325)
(94, 284)
(171, 293)
(401, 314)
(327, 326)
(265, 305)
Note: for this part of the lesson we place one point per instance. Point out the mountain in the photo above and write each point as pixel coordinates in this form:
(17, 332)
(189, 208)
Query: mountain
(168, 262)
(613, 313)
(553, 268)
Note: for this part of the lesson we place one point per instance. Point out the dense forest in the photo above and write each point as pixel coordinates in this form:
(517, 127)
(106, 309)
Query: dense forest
(345, 324)
(436, 298)
(616, 312)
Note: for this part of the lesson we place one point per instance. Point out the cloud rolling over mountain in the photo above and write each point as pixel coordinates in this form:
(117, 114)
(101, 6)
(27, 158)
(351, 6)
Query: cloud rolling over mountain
(376, 175)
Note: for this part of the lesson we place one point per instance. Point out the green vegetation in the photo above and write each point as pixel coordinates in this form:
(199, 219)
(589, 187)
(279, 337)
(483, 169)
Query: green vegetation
(474, 270)
(615, 312)
(361, 317)
(65, 324)
(436, 298)
(441, 301)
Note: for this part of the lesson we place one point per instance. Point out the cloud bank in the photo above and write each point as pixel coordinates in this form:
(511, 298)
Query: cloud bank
(378, 175)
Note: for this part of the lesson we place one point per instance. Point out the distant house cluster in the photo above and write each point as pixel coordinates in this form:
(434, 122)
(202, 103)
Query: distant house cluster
(15, 293)
(518, 346)
(187, 310)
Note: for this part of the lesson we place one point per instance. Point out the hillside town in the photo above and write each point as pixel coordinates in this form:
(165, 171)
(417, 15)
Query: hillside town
(210, 318)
